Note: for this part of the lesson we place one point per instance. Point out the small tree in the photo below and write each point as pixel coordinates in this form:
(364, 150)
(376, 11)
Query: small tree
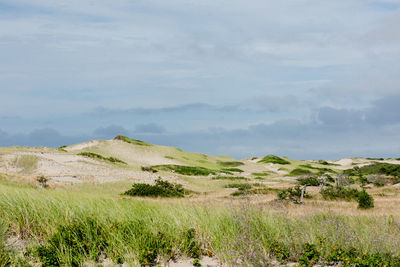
(42, 181)
(365, 200)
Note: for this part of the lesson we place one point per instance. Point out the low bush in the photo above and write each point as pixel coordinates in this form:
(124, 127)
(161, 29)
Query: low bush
(310, 255)
(226, 177)
(100, 157)
(320, 170)
(160, 189)
(365, 200)
(339, 192)
(291, 193)
(310, 181)
(299, 172)
(42, 181)
(273, 159)
(148, 169)
(376, 168)
(280, 251)
(185, 170)
(230, 163)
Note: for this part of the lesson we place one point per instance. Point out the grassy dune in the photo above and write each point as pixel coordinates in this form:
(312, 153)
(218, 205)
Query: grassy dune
(127, 229)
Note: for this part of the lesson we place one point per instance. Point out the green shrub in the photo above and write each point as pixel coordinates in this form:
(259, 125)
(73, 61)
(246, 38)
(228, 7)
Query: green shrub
(131, 141)
(339, 192)
(148, 169)
(293, 192)
(160, 189)
(100, 157)
(190, 245)
(230, 163)
(379, 183)
(83, 240)
(310, 255)
(42, 181)
(376, 168)
(185, 170)
(273, 159)
(310, 181)
(365, 200)
(299, 172)
(320, 170)
(226, 177)
(280, 251)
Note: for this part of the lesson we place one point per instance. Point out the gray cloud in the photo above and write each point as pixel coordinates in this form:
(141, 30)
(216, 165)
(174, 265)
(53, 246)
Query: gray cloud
(150, 128)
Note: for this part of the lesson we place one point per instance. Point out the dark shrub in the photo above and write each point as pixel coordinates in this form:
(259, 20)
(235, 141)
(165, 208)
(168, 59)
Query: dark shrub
(311, 181)
(341, 192)
(299, 172)
(160, 189)
(230, 163)
(185, 170)
(365, 200)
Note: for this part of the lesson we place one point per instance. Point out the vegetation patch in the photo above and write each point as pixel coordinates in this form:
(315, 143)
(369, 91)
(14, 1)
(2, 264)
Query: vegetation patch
(293, 193)
(160, 189)
(100, 157)
(185, 170)
(339, 192)
(273, 159)
(232, 170)
(131, 141)
(299, 172)
(324, 162)
(320, 170)
(310, 181)
(376, 168)
(230, 163)
(226, 177)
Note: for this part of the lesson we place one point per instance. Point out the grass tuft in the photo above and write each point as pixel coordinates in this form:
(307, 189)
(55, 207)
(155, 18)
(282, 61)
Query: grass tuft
(273, 159)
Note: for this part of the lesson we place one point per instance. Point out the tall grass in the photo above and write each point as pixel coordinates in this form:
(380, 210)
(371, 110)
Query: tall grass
(235, 234)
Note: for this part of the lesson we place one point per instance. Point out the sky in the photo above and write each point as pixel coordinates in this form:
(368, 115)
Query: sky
(306, 79)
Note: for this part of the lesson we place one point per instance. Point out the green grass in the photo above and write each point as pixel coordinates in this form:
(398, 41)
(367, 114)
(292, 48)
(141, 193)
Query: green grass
(321, 170)
(185, 170)
(131, 141)
(232, 170)
(226, 177)
(69, 227)
(273, 159)
(100, 157)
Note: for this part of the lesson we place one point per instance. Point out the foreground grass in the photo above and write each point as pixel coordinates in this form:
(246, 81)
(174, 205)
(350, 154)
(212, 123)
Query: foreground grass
(126, 230)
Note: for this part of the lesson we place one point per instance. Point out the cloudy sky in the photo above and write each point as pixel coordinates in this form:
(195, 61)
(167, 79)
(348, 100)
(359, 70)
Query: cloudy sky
(306, 79)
